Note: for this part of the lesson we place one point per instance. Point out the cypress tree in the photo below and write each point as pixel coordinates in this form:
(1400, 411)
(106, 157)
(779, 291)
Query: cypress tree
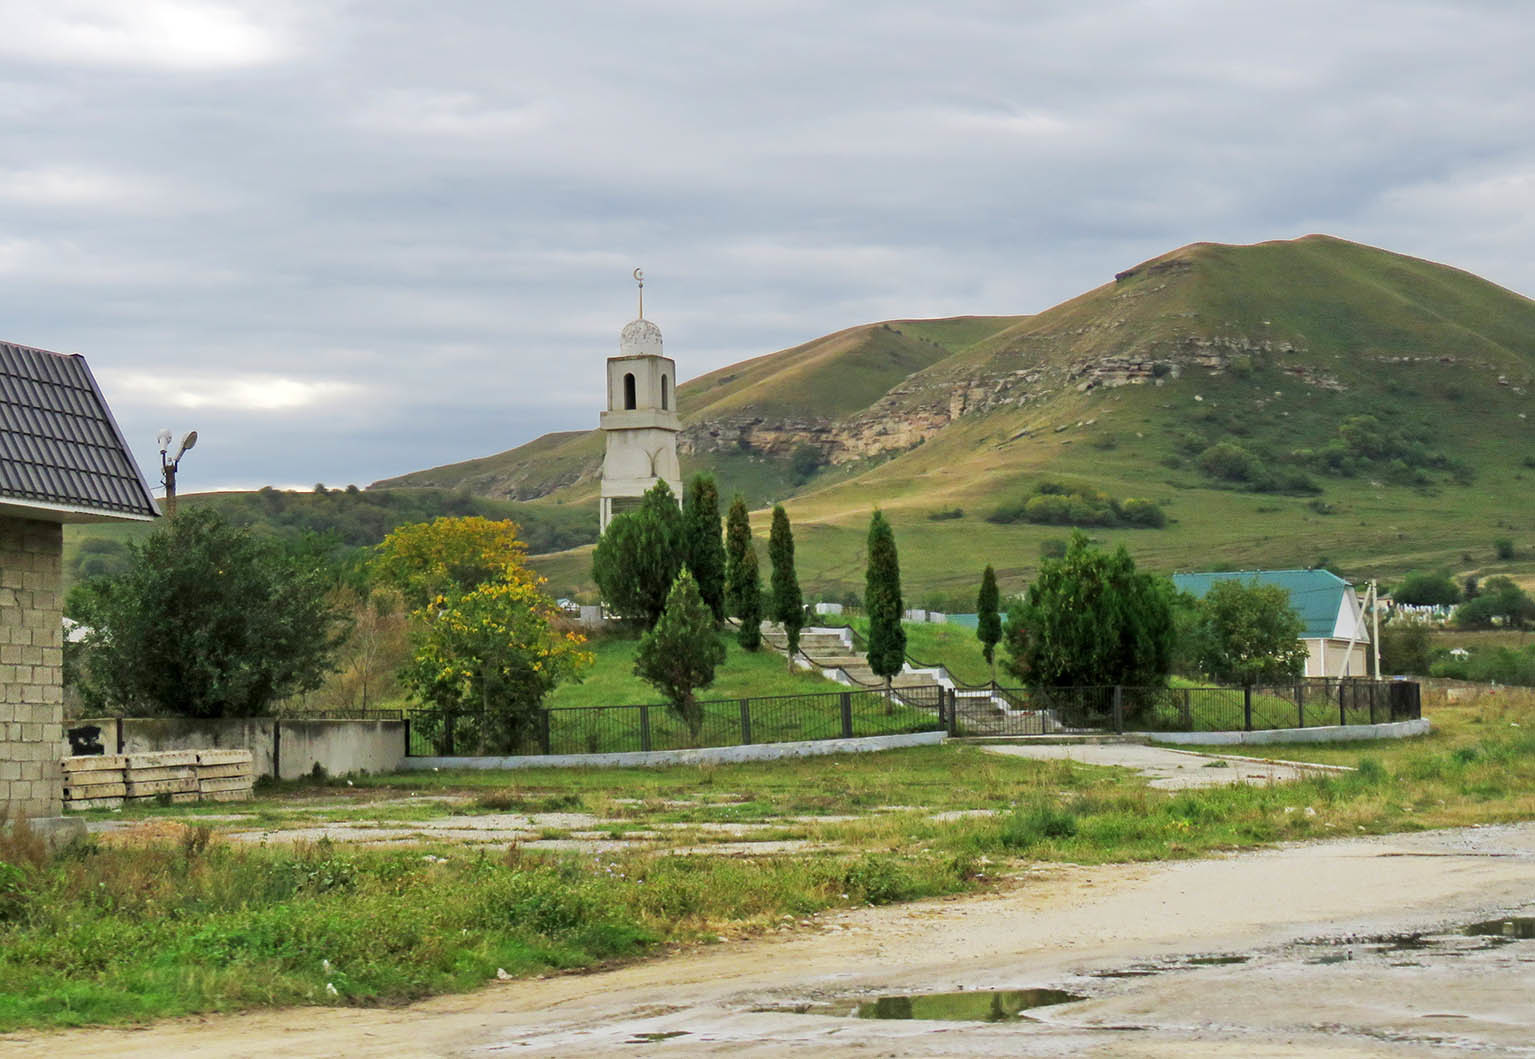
(638, 558)
(882, 601)
(788, 607)
(680, 654)
(749, 589)
(738, 537)
(702, 542)
(988, 625)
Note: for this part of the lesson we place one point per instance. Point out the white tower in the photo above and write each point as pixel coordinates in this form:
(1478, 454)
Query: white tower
(641, 421)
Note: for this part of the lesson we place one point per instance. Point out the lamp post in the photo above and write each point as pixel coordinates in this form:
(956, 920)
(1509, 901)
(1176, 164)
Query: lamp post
(168, 465)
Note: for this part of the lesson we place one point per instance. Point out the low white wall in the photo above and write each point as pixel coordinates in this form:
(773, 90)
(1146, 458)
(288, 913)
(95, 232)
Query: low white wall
(1337, 733)
(711, 755)
(294, 745)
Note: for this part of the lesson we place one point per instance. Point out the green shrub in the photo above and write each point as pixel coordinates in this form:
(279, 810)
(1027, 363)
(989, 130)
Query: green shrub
(879, 879)
(1030, 824)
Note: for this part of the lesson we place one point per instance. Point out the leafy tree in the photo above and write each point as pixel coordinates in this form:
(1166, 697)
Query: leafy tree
(1500, 602)
(749, 592)
(882, 601)
(738, 537)
(206, 621)
(1503, 548)
(703, 546)
(1425, 590)
(679, 655)
(1406, 647)
(492, 654)
(988, 625)
(487, 646)
(1249, 634)
(1091, 619)
(639, 557)
(805, 461)
(788, 605)
(447, 556)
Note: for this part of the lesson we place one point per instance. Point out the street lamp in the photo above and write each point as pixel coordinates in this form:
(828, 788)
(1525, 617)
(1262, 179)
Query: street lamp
(168, 465)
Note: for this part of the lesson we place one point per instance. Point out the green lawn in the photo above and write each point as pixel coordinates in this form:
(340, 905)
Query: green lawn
(611, 681)
(785, 706)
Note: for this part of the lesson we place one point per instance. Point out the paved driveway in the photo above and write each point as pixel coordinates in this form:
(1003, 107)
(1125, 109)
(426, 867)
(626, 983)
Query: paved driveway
(1168, 769)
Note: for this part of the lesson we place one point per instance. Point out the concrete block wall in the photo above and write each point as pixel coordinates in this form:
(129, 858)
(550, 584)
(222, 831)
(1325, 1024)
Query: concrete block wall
(31, 667)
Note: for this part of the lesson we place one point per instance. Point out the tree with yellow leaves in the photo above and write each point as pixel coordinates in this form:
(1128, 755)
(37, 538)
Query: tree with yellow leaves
(487, 648)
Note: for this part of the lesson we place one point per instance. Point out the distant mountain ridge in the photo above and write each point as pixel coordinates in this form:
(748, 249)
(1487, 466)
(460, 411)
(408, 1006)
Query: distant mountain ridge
(875, 389)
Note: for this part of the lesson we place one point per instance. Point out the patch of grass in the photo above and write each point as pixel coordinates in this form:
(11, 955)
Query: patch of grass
(611, 680)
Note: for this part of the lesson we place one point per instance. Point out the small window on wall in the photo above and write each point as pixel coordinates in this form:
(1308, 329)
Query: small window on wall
(664, 394)
(629, 401)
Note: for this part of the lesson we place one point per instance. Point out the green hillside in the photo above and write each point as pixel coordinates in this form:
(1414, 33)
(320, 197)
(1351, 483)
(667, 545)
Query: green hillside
(1374, 402)
(1291, 403)
(344, 519)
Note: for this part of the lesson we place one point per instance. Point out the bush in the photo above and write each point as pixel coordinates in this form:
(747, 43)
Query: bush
(206, 621)
(1230, 462)
(1503, 548)
(1427, 590)
(1028, 825)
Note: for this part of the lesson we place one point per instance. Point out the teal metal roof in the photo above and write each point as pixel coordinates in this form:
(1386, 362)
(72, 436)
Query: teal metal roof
(1316, 594)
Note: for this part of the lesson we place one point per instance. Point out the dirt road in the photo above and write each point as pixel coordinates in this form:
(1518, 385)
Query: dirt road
(1317, 949)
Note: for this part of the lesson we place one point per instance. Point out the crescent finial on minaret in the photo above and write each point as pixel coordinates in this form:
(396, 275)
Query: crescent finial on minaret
(639, 277)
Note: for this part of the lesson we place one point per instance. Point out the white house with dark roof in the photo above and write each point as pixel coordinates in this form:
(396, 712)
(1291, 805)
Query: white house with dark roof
(62, 459)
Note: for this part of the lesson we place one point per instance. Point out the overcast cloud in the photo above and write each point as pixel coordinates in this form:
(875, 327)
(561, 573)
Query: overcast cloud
(349, 240)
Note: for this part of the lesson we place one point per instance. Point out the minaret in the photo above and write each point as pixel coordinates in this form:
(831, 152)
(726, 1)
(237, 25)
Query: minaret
(641, 421)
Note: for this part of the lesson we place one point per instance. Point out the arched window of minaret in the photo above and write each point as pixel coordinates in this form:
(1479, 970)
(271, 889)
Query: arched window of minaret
(664, 393)
(629, 401)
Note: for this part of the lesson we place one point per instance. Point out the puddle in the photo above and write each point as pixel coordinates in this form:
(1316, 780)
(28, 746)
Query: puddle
(1514, 928)
(1003, 1005)
(1176, 963)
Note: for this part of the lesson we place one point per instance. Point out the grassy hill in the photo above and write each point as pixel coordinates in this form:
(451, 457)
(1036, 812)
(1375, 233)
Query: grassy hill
(1380, 405)
(1292, 403)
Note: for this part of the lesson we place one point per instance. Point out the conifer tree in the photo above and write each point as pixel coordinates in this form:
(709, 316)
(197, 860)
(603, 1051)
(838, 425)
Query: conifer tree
(637, 559)
(882, 601)
(679, 655)
(788, 606)
(988, 624)
(702, 543)
(749, 591)
(738, 535)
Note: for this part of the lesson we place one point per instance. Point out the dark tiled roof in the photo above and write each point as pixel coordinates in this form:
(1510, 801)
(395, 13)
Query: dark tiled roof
(59, 445)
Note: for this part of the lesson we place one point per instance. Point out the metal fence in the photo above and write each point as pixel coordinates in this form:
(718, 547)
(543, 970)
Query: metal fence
(1306, 703)
(984, 711)
(726, 722)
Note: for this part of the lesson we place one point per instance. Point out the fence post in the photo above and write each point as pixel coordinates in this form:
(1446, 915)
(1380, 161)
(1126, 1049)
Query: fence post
(1300, 706)
(746, 721)
(1342, 709)
(447, 734)
(847, 715)
(1119, 708)
(644, 727)
(953, 725)
(406, 719)
(1247, 707)
(1372, 702)
(1188, 710)
(544, 741)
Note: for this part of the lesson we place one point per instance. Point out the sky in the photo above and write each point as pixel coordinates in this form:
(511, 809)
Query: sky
(345, 240)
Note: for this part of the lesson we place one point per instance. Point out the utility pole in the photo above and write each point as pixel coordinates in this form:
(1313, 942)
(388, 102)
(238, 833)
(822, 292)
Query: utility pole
(1375, 625)
(168, 465)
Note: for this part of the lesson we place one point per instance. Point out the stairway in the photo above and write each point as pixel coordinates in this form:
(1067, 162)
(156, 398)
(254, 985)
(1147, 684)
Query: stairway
(828, 650)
